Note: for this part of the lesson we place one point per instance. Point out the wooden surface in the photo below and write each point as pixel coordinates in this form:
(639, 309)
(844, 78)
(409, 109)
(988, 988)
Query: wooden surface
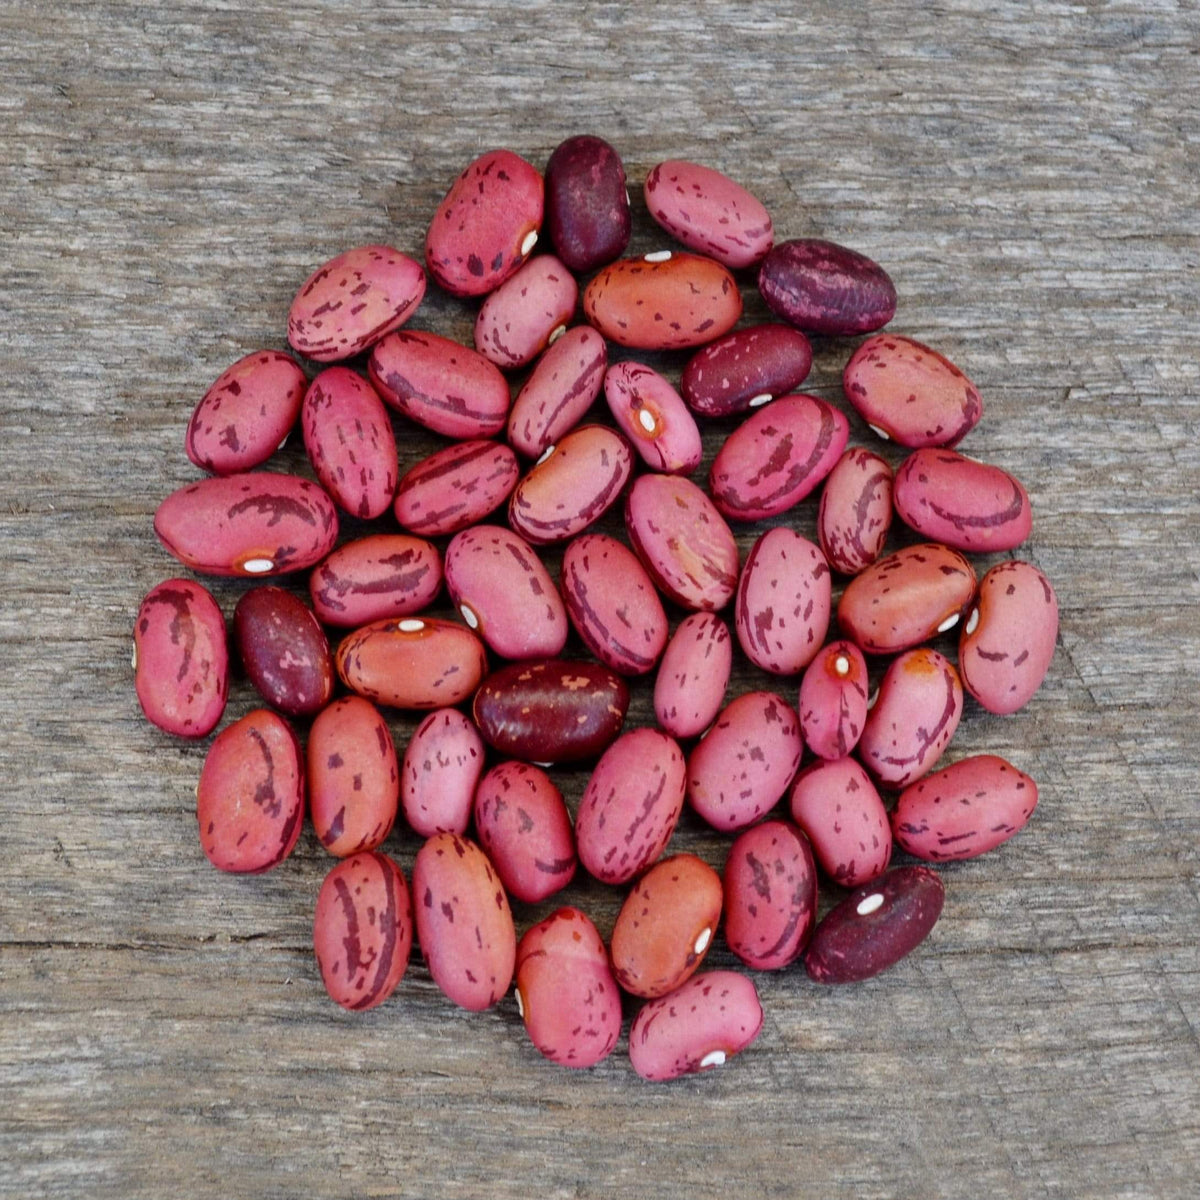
(1027, 173)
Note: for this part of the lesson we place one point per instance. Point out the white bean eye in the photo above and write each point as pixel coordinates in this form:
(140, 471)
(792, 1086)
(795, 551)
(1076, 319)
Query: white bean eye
(871, 702)
(520, 1003)
(876, 429)
(411, 625)
(558, 332)
(948, 623)
(872, 903)
(702, 941)
(646, 420)
(841, 665)
(658, 256)
(133, 660)
(549, 450)
(714, 1058)
(256, 566)
(468, 615)
(973, 621)
(761, 399)
(529, 242)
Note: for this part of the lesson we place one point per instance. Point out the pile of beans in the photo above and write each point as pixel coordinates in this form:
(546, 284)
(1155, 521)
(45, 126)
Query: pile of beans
(493, 727)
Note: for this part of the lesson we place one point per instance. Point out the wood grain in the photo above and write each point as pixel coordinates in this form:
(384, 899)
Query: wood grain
(1027, 174)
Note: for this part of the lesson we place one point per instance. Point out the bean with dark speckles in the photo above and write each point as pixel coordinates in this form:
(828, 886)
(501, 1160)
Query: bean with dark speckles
(855, 513)
(284, 650)
(384, 575)
(745, 369)
(455, 487)
(442, 765)
(833, 700)
(693, 675)
(518, 320)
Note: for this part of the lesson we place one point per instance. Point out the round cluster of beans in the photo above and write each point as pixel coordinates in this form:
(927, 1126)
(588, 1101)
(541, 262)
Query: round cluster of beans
(536, 709)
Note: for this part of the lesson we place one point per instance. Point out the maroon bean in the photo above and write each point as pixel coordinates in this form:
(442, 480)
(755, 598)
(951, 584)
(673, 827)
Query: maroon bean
(587, 207)
(455, 487)
(384, 575)
(554, 711)
(693, 675)
(856, 511)
(745, 369)
(284, 650)
(442, 764)
(833, 700)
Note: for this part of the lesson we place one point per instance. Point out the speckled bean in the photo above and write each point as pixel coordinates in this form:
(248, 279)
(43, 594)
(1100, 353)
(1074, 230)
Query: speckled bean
(706, 1022)
(666, 926)
(440, 384)
(353, 777)
(693, 675)
(955, 500)
(663, 301)
(776, 457)
(348, 436)
(822, 287)
(783, 602)
(242, 419)
(553, 711)
(464, 924)
(571, 485)
(770, 883)
(875, 926)
(745, 369)
(525, 828)
(412, 662)
(909, 393)
(564, 382)
(455, 487)
(384, 575)
(833, 700)
(744, 763)
(442, 765)
(284, 650)
(526, 312)
(964, 810)
(709, 213)
(362, 931)
(612, 604)
(254, 524)
(630, 806)
(566, 992)
(486, 224)
(855, 513)
(682, 541)
(837, 806)
(919, 705)
(587, 207)
(906, 598)
(349, 303)
(1007, 642)
(250, 799)
(181, 658)
(502, 590)
(654, 418)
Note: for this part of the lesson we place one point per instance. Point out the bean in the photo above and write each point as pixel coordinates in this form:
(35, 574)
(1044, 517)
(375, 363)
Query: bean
(875, 926)
(1007, 642)
(553, 711)
(630, 806)
(744, 763)
(362, 931)
(455, 487)
(652, 414)
(955, 500)
(353, 780)
(664, 301)
(706, 1022)
(964, 810)
(440, 384)
(571, 485)
(682, 541)
(464, 924)
(486, 224)
(693, 675)
(384, 575)
(503, 591)
(770, 884)
(909, 393)
(709, 213)
(745, 369)
(833, 700)
(526, 312)
(587, 207)
(919, 705)
(564, 382)
(777, 457)
(442, 764)
(284, 650)
(837, 806)
(856, 511)
(253, 524)
(525, 830)
(413, 662)
(822, 287)
(906, 598)
(612, 604)
(180, 658)
(666, 926)
(244, 416)
(566, 992)
(783, 602)
(349, 441)
(347, 304)
(250, 799)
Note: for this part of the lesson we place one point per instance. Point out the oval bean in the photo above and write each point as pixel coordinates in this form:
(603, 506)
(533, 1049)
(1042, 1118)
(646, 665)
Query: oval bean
(284, 650)
(693, 675)
(654, 418)
(384, 575)
(745, 369)
(587, 207)
(455, 487)
(855, 513)
(442, 765)
(833, 700)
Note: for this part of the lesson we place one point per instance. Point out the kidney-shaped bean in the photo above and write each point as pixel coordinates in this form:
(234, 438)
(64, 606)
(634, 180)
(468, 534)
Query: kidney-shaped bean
(587, 207)
(745, 369)
(652, 414)
(526, 312)
(455, 487)
(384, 575)
(693, 675)
(855, 513)
(442, 764)
(833, 700)
(284, 650)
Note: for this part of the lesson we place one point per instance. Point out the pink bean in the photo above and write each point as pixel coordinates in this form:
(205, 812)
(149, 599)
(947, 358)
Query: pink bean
(693, 675)
(455, 487)
(833, 700)
(526, 313)
(442, 765)
(653, 416)
(856, 511)
(384, 575)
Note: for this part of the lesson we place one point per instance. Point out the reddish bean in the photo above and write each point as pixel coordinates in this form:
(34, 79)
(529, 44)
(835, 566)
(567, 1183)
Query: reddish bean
(455, 487)
(442, 764)
(833, 700)
(856, 511)
(526, 313)
(652, 414)
(745, 369)
(693, 675)
(384, 575)
(587, 206)
(284, 650)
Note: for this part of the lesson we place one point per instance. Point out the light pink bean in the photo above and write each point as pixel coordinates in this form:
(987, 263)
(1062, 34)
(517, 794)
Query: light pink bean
(693, 675)
(652, 414)
(525, 313)
(442, 765)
